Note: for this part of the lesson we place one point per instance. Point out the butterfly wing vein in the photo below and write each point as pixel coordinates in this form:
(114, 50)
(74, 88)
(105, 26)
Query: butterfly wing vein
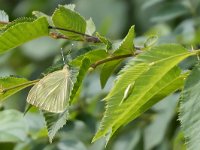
(52, 92)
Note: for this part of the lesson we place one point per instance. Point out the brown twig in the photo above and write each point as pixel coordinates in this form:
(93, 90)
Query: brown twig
(87, 37)
(58, 36)
(2, 22)
(95, 40)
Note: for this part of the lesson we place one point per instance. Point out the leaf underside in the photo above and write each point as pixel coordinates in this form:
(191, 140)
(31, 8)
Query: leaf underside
(54, 121)
(189, 110)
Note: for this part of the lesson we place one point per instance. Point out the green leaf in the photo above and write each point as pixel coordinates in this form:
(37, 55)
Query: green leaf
(23, 32)
(179, 141)
(13, 127)
(66, 18)
(11, 85)
(54, 121)
(116, 92)
(81, 74)
(143, 60)
(127, 45)
(189, 110)
(105, 41)
(155, 70)
(17, 21)
(107, 70)
(175, 81)
(94, 55)
(171, 82)
(161, 52)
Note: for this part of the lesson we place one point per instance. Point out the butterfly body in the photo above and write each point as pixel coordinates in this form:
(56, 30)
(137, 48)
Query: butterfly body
(52, 92)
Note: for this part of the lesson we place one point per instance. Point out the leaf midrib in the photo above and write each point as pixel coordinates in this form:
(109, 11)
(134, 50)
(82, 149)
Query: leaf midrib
(129, 108)
(180, 76)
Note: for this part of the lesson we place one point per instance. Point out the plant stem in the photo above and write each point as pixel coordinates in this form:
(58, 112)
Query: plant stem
(94, 65)
(58, 36)
(20, 85)
(2, 22)
(88, 38)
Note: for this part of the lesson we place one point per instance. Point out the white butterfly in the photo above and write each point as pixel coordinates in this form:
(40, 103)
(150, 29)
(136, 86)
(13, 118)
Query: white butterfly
(52, 92)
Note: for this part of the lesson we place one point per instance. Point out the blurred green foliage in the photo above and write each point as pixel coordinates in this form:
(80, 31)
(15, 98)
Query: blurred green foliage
(174, 21)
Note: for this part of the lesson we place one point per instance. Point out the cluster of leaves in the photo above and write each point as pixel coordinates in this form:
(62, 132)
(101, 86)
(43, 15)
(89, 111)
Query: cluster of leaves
(151, 74)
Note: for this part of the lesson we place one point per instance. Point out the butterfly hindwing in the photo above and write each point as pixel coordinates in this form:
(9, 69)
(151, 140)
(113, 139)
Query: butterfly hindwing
(52, 92)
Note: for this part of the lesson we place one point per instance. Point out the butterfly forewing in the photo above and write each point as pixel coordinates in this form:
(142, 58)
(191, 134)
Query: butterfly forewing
(52, 92)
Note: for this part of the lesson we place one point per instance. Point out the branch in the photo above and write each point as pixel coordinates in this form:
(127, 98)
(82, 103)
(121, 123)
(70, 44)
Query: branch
(4, 90)
(87, 37)
(2, 22)
(94, 65)
(58, 36)
(138, 48)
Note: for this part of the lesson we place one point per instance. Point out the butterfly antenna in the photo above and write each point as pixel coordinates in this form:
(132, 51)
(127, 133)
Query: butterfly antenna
(62, 54)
